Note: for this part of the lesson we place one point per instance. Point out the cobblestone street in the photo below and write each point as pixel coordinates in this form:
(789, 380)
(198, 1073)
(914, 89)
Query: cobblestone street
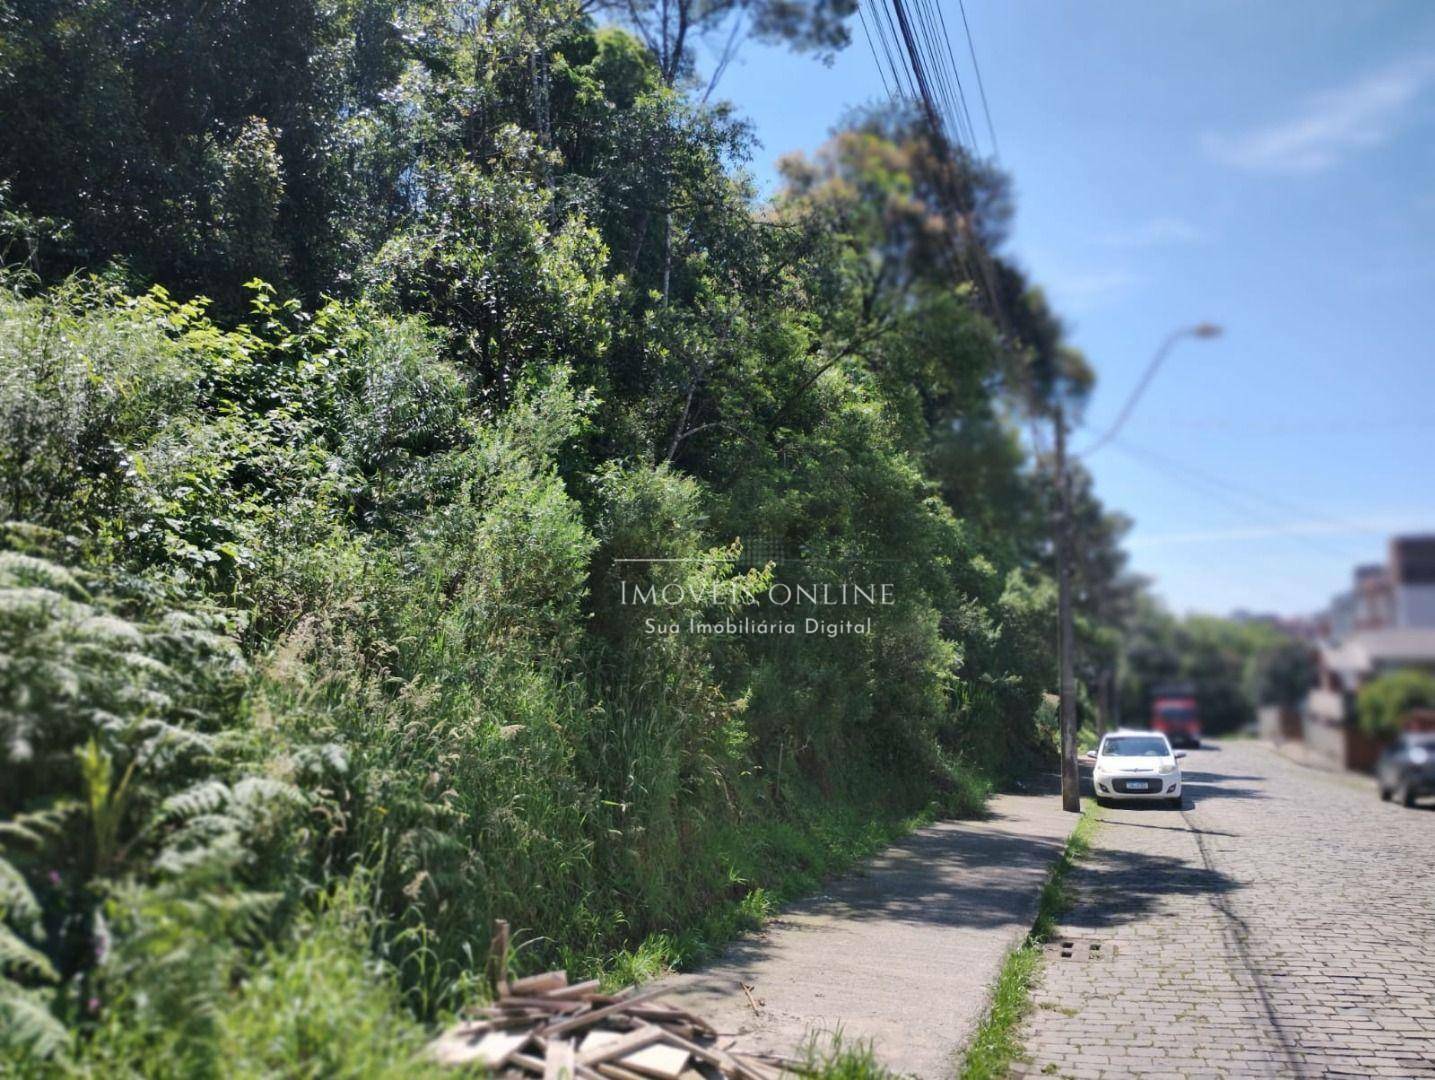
(1281, 924)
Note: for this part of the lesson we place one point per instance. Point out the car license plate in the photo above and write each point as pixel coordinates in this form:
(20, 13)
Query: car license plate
(1137, 785)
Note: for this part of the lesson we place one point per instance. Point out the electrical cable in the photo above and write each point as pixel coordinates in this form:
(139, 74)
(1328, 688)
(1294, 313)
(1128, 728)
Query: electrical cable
(862, 18)
(1242, 505)
(981, 88)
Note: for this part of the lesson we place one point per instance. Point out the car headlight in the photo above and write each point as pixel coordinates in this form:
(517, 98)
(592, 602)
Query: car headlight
(1167, 768)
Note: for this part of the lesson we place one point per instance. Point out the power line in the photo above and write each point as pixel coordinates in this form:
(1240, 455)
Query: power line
(1262, 497)
(905, 76)
(876, 62)
(981, 88)
(956, 100)
(1248, 505)
(956, 73)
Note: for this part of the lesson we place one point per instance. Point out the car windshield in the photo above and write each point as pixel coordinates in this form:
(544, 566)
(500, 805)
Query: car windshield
(1422, 742)
(1135, 746)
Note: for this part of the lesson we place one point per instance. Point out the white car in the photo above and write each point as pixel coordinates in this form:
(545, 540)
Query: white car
(1136, 765)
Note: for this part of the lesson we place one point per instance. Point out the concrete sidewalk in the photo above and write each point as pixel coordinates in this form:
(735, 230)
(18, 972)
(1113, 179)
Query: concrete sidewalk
(903, 951)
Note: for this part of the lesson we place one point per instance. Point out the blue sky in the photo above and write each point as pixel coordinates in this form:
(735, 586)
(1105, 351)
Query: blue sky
(1266, 166)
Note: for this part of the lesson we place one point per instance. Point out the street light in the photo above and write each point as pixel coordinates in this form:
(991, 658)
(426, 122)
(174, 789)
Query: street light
(1070, 778)
(1200, 331)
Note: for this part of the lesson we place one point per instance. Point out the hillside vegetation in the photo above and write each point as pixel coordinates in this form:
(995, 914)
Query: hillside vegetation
(350, 355)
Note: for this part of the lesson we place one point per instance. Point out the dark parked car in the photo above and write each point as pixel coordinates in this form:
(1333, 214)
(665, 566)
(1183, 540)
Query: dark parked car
(1407, 768)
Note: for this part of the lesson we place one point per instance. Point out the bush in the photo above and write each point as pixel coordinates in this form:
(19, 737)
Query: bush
(1383, 702)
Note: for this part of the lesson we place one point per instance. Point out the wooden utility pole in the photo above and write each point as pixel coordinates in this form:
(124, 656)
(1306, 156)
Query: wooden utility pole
(1070, 778)
(1103, 702)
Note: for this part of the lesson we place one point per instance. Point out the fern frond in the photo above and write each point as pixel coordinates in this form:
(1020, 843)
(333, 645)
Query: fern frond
(243, 911)
(27, 1026)
(324, 759)
(18, 958)
(221, 852)
(17, 901)
(160, 736)
(32, 825)
(205, 797)
(257, 792)
(17, 570)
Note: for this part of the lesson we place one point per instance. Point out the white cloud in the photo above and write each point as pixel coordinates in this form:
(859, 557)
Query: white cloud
(1085, 290)
(1157, 232)
(1332, 125)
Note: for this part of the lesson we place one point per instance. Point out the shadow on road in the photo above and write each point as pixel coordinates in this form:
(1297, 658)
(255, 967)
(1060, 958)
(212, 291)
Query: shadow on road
(1198, 786)
(1120, 886)
(1427, 805)
(1167, 828)
(1216, 778)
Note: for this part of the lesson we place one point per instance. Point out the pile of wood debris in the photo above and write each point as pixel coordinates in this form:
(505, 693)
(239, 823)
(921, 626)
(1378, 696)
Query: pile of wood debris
(544, 1026)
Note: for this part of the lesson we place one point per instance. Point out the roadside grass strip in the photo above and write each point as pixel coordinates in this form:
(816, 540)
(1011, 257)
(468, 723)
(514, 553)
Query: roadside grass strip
(994, 1047)
(834, 1057)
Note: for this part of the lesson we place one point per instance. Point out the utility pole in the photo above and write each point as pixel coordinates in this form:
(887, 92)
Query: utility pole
(1070, 778)
(1103, 702)
(1066, 633)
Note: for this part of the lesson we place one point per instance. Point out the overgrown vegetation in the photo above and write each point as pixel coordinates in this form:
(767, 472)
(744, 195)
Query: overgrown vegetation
(994, 1047)
(1383, 702)
(314, 655)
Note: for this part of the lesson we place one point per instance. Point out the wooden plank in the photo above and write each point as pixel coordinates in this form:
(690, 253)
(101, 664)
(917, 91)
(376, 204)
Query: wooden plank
(617, 1072)
(537, 1002)
(583, 1072)
(502, 1018)
(560, 1061)
(757, 1065)
(655, 1060)
(661, 1060)
(606, 1046)
(724, 1063)
(538, 984)
(498, 956)
(582, 1020)
(491, 1049)
(575, 990)
(670, 1014)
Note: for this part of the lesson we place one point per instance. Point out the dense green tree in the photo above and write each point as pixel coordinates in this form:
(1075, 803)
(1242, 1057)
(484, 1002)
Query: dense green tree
(1232, 666)
(670, 28)
(198, 144)
(1281, 674)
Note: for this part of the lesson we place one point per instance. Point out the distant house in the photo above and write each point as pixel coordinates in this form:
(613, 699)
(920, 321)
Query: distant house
(1412, 572)
(1373, 598)
(1328, 714)
(1385, 621)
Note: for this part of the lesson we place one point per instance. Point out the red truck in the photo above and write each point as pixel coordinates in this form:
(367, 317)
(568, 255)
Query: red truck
(1173, 713)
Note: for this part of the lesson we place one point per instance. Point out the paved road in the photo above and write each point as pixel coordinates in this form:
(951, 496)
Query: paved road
(902, 952)
(1281, 924)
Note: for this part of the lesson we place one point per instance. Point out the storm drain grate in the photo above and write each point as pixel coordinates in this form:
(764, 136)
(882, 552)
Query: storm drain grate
(1083, 949)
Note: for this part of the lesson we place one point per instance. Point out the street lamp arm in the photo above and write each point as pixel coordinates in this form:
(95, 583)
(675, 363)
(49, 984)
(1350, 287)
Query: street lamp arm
(1200, 330)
